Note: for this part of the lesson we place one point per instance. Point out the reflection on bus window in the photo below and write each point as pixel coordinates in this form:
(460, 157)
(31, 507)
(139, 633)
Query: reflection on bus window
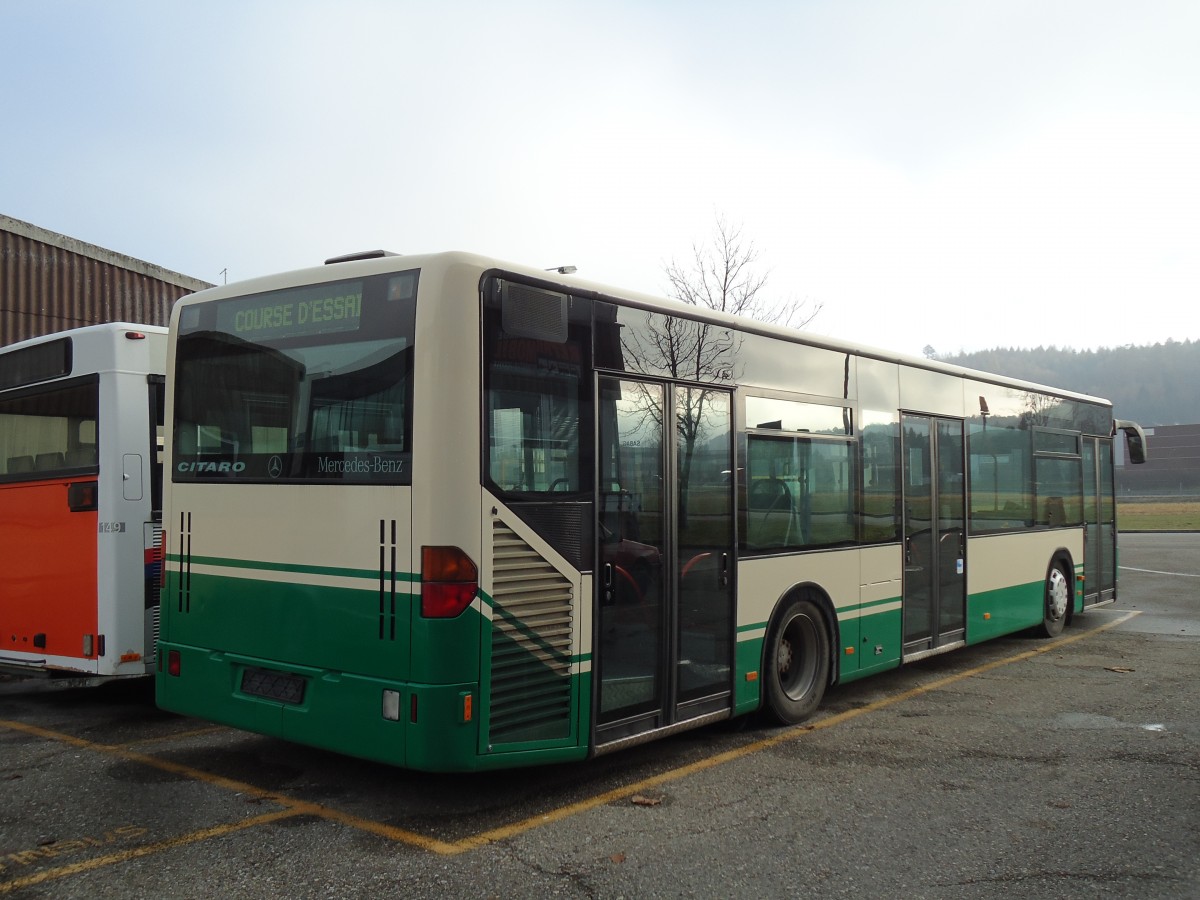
(880, 514)
(49, 431)
(538, 402)
(533, 416)
(799, 494)
(318, 390)
(1000, 472)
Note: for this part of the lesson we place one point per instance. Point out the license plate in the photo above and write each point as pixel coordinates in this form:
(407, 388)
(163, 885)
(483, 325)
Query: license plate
(272, 685)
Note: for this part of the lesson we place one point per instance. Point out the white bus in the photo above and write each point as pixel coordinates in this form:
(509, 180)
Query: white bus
(81, 416)
(451, 513)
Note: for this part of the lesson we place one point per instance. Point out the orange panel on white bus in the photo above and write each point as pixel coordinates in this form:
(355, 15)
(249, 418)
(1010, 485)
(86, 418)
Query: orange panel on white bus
(47, 570)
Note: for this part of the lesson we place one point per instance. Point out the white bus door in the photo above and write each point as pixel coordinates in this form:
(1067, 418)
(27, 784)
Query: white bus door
(664, 573)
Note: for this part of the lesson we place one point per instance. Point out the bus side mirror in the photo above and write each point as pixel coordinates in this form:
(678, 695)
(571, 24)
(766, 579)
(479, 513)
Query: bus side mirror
(1135, 440)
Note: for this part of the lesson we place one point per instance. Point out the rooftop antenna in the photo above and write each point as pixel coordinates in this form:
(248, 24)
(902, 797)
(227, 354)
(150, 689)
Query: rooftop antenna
(563, 270)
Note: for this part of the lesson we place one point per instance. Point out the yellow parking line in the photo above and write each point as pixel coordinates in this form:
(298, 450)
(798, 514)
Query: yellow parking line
(179, 735)
(134, 756)
(293, 806)
(563, 812)
(137, 852)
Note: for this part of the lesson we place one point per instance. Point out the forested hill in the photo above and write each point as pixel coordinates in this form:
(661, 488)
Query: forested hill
(1156, 385)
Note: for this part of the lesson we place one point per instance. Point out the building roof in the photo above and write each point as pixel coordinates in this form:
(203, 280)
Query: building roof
(91, 251)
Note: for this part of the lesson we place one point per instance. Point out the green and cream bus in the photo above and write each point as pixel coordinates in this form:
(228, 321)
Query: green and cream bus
(450, 513)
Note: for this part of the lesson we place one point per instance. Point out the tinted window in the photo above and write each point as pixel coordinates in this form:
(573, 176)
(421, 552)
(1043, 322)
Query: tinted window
(782, 365)
(40, 362)
(793, 416)
(49, 431)
(310, 384)
(1001, 474)
(880, 514)
(634, 341)
(537, 386)
(1059, 491)
(799, 494)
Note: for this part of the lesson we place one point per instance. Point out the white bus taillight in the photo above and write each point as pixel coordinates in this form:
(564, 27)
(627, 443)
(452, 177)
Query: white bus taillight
(449, 582)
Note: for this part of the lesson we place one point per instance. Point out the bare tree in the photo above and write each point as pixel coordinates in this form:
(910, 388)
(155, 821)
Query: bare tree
(722, 275)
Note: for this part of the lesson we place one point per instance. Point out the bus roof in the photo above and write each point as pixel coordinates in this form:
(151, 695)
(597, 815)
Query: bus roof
(88, 350)
(85, 331)
(351, 265)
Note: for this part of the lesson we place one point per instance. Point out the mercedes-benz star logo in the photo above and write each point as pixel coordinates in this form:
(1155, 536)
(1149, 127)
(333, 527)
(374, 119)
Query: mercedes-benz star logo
(275, 467)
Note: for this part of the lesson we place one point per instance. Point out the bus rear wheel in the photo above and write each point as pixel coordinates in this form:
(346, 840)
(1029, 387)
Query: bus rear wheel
(1057, 602)
(797, 663)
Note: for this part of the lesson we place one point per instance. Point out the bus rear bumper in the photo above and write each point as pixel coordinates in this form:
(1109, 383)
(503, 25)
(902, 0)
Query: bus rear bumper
(418, 726)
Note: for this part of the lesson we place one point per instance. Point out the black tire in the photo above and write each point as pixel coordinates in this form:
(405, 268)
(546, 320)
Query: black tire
(1057, 604)
(797, 662)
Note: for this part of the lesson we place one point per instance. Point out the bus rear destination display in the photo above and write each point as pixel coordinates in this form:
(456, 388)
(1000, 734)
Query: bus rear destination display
(321, 309)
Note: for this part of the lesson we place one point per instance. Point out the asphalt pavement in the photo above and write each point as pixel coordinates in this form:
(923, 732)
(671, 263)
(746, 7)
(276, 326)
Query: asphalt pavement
(1022, 768)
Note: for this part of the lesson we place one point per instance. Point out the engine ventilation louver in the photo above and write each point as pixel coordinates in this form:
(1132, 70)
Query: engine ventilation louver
(531, 644)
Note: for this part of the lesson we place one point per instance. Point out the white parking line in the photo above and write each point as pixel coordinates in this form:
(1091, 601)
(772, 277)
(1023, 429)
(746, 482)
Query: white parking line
(1157, 572)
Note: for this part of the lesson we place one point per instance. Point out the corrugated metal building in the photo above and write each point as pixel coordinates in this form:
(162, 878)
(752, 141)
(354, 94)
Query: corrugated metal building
(50, 282)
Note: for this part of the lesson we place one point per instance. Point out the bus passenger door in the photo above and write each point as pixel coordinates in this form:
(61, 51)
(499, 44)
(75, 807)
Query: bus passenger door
(664, 629)
(934, 535)
(1099, 514)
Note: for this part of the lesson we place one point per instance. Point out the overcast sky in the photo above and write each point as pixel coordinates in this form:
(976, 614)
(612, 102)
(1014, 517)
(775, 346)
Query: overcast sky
(956, 173)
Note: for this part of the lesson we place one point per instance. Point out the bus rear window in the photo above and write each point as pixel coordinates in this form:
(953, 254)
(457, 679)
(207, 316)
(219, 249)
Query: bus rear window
(49, 431)
(303, 385)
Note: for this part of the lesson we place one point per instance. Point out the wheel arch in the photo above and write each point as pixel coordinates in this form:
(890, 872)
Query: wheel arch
(813, 592)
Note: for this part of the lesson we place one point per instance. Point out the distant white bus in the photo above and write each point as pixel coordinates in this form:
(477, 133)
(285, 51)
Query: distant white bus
(81, 416)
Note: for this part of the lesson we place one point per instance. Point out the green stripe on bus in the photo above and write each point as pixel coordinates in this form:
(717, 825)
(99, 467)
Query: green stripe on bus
(870, 605)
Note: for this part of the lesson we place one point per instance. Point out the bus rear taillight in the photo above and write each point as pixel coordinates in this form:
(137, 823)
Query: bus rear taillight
(449, 582)
(174, 663)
